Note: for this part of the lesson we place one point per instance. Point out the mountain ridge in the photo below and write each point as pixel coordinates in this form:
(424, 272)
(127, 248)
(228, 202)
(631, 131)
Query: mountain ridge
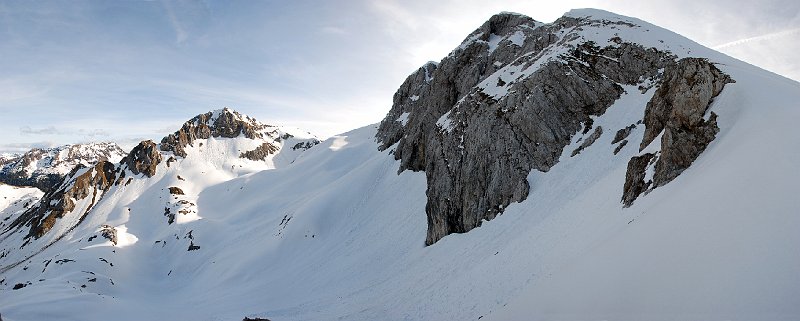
(43, 168)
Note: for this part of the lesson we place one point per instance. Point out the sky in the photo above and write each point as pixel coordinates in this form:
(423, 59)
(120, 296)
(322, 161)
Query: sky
(125, 71)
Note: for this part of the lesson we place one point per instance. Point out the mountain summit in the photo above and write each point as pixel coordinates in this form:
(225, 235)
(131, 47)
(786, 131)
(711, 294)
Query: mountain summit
(596, 167)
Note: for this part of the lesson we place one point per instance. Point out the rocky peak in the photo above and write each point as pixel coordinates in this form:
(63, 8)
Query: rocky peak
(143, 159)
(505, 102)
(218, 123)
(503, 24)
(46, 167)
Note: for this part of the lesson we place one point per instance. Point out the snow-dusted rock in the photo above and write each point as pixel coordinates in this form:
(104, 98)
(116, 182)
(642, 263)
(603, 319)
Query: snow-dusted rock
(44, 168)
(509, 107)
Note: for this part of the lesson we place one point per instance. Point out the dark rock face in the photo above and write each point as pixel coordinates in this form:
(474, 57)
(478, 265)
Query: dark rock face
(175, 190)
(635, 178)
(683, 97)
(588, 141)
(622, 134)
(109, 232)
(306, 145)
(223, 123)
(477, 123)
(143, 159)
(80, 184)
(677, 110)
(261, 152)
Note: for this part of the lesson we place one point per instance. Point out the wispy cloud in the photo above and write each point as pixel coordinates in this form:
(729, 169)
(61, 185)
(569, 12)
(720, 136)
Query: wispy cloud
(772, 35)
(52, 130)
(180, 31)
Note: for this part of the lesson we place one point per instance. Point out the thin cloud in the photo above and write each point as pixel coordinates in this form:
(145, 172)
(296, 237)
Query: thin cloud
(94, 133)
(24, 147)
(334, 31)
(28, 130)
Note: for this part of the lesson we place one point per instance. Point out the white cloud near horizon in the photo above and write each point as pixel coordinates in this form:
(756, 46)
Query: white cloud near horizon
(135, 69)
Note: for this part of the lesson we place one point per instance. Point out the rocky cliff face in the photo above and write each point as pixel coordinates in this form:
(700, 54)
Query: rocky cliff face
(46, 168)
(677, 112)
(507, 101)
(81, 185)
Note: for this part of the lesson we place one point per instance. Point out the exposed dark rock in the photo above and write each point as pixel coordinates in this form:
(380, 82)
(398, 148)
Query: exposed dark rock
(476, 146)
(193, 247)
(228, 123)
(622, 134)
(621, 145)
(78, 185)
(176, 190)
(170, 216)
(680, 146)
(683, 97)
(109, 232)
(143, 159)
(634, 178)
(677, 110)
(19, 286)
(261, 152)
(255, 319)
(170, 160)
(306, 145)
(589, 141)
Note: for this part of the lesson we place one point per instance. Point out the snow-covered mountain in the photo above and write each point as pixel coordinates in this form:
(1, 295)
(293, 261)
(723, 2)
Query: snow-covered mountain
(45, 167)
(598, 167)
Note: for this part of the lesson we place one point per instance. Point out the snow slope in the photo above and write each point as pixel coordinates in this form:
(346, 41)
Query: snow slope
(338, 234)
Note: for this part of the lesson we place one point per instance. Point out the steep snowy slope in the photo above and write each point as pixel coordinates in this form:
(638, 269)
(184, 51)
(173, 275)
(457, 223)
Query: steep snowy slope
(334, 232)
(14, 200)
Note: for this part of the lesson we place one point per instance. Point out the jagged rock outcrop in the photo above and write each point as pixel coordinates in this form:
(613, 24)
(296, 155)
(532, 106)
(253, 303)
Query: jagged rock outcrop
(143, 159)
(677, 112)
(635, 183)
(221, 123)
(588, 141)
(109, 233)
(80, 184)
(174, 190)
(45, 168)
(505, 102)
(623, 134)
(261, 152)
